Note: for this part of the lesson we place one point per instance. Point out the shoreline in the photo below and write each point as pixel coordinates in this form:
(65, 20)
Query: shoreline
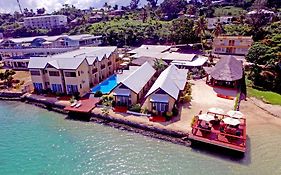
(171, 136)
(124, 122)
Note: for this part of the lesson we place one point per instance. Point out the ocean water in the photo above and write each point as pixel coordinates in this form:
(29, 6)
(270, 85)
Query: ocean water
(35, 141)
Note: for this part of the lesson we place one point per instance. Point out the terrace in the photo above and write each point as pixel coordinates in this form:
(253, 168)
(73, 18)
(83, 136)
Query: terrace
(226, 131)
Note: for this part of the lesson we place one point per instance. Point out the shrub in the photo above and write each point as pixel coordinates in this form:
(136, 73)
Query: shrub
(110, 97)
(135, 108)
(72, 99)
(98, 94)
(113, 103)
(175, 111)
(145, 110)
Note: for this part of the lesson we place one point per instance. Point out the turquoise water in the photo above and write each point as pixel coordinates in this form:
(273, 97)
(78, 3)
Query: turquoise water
(107, 85)
(35, 141)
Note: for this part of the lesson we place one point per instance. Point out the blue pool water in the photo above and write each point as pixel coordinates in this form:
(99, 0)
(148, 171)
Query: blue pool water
(106, 86)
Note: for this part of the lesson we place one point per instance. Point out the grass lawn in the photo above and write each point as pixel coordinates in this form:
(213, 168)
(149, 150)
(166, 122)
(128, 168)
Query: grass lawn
(229, 11)
(266, 96)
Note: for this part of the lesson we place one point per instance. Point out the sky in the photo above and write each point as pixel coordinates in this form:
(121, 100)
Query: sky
(51, 5)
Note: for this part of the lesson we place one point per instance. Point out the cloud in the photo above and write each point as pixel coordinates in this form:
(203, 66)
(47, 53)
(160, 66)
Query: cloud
(51, 5)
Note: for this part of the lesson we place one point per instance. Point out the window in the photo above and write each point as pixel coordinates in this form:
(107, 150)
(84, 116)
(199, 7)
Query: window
(162, 107)
(71, 89)
(35, 72)
(78, 73)
(54, 73)
(56, 88)
(38, 87)
(80, 86)
(70, 74)
(94, 70)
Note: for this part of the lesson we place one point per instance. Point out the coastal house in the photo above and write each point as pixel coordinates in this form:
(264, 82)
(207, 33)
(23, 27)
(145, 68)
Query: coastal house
(74, 71)
(16, 52)
(164, 93)
(45, 22)
(226, 73)
(232, 45)
(132, 89)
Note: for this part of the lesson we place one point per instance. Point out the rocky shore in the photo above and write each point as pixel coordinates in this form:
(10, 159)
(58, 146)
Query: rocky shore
(170, 135)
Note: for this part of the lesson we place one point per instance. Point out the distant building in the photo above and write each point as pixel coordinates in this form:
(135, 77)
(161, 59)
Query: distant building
(17, 51)
(45, 22)
(232, 45)
(211, 22)
(73, 72)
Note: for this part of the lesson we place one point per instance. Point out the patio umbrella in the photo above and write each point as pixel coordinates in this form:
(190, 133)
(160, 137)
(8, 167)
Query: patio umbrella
(235, 114)
(126, 59)
(231, 121)
(216, 110)
(124, 64)
(206, 117)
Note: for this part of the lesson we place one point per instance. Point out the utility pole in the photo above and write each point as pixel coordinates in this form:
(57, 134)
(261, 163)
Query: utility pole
(19, 6)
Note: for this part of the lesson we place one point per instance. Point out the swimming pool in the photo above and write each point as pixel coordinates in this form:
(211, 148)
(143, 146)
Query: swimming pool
(106, 86)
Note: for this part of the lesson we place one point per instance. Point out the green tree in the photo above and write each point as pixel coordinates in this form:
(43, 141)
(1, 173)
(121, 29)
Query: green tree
(134, 4)
(153, 3)
(258, 53)
(200, 29)
(218, 29)
(171, 8)
(7, 77)
(159, 65)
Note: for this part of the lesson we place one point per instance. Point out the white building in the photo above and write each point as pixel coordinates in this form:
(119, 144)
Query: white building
(45, 22)
(16, 52)
(232, 45)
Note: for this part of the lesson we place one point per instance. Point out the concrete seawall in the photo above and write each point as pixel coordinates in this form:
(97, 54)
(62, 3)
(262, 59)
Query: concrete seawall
(153, 131)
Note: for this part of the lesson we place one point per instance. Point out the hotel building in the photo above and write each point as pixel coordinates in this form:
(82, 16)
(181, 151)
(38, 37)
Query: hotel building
(45, 22)
(232, 45)
(74, 71)
(16, 52)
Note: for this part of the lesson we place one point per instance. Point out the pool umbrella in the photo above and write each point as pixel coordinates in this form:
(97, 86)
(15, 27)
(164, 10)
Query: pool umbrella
(231, 121)
(216, 110)
(206, 117)
(124, 64)
(126, 59)
(235, 114)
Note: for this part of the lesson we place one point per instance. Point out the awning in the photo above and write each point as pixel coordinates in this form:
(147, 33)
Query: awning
(159, 98)
(121, 92)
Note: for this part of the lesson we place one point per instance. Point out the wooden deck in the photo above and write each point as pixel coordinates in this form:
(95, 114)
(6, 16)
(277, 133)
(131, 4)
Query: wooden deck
(219, 138)
(87, 105)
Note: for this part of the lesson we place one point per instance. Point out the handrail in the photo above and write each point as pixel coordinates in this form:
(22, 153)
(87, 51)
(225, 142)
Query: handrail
(223, 134)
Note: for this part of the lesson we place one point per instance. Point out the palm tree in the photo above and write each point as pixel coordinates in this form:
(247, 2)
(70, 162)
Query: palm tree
(200, 27)
(159, 65)
(7, 77)
(218, 29)
(19, 6)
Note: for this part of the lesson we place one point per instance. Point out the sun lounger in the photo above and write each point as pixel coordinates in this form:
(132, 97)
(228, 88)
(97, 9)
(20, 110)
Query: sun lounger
(73, 104)
(78, 105)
